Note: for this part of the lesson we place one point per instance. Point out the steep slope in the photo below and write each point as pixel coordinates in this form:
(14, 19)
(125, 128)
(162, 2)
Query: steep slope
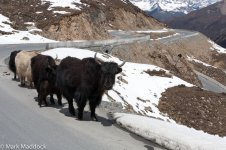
(167, 9)
(210, 21)
(85, 19)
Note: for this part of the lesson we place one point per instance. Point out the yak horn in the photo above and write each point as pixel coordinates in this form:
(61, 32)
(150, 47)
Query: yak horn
(123, 63)
(98, 60)
(56, 57)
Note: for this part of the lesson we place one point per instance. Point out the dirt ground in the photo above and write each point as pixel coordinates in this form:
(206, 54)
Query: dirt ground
(195, 108)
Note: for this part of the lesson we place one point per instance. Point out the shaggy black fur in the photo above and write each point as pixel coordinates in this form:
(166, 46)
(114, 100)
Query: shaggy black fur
(84, 80)
(12, 65)
(44, 78)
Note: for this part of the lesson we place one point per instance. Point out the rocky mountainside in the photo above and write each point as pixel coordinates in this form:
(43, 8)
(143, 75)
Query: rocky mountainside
(167, 9)
(83, 19)
(210, 21)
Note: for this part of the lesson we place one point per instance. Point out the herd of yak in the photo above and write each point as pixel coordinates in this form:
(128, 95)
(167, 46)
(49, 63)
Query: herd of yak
(79, 79)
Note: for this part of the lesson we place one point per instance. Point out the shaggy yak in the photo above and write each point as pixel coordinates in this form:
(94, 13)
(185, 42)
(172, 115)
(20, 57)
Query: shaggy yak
(23, 66)
(86, 79)
(44, 78)
(12, 65)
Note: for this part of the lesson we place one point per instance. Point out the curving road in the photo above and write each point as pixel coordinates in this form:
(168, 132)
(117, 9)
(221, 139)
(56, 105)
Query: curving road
(52, 128)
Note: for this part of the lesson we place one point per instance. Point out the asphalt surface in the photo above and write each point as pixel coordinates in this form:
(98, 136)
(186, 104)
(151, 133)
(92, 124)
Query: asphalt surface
(23, 122)
(181, 35)
(211, 84)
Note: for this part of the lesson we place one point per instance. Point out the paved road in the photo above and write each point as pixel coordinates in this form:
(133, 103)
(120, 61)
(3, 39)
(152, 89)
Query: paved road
(23, 122)
(211, 84)
(181, 35)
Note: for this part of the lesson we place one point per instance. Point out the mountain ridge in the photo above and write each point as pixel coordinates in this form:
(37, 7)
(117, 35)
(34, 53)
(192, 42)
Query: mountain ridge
(209, 21)
(164, 9)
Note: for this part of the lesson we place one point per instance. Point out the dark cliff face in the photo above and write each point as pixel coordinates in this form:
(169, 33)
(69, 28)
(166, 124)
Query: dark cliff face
(210, 21)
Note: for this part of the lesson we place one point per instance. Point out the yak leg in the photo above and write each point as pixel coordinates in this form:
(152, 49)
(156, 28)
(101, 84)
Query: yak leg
(59, 98)
(42, 97)
(71, 107)
(42, 94)
(93, 103)
(92, 106)
(52, 99)
(81, 103)
(67, 94)
(14, 76)
(22, 81)
(45, 101)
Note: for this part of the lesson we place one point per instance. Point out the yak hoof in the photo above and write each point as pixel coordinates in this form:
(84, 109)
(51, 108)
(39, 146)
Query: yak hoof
(80, 116)
(94, 118)
(22, 85)
(60, 103)
(72, 112)
(52, 101)
(80, 119)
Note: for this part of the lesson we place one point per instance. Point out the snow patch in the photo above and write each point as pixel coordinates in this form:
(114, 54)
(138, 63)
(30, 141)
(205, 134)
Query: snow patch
(217, 47)
(170, 135)
(4, 24)
(198, 61)
(23, 37)
(63, 3)
(61, 12)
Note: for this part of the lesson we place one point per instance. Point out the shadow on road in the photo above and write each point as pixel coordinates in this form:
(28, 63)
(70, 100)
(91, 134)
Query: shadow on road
(49, 104)
(86, 117)
(149, 147)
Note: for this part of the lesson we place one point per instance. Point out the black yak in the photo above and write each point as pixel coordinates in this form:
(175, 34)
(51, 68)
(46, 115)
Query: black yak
(12, 65)
(86, 79)
(44, 78)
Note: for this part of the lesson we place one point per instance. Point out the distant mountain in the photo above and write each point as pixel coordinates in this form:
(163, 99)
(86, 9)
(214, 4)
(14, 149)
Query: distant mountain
(210, 21)
(167, 9)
